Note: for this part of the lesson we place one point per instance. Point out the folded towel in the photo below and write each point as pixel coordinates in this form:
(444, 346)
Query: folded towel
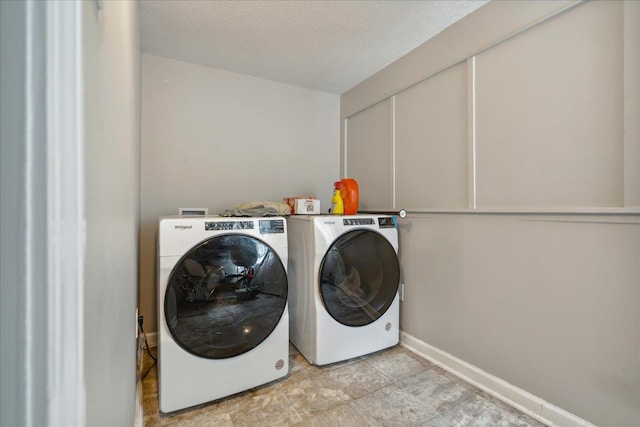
(259, 209)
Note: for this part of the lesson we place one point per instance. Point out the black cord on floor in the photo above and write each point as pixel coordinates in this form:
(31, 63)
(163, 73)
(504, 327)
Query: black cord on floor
(146, 344)
(146, 341)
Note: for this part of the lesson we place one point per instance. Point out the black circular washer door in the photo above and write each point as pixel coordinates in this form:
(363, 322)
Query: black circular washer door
(225, 296)
(359, 277)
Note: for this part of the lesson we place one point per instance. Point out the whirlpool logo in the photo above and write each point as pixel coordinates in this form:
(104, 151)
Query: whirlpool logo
(183, 227)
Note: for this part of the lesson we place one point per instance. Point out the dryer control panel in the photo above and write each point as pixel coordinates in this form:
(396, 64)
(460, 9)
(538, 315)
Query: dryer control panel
(358, 221)
(386, 222)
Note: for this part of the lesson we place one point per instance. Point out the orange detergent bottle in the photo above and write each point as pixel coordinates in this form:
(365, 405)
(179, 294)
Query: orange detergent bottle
(350, 195)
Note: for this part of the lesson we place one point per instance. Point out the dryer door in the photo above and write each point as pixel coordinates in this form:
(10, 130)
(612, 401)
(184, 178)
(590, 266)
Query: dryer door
(225, 296)
(359, 277)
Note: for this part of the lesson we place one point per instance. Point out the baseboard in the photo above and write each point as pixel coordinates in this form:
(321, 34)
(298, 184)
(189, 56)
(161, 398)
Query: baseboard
(139, 413)
(152, 339)
(520, 399)
(138, 420)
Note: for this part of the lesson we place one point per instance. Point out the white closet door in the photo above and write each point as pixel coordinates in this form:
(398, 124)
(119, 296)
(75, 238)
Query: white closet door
(549, 113)
(369, 155)
(431, 142)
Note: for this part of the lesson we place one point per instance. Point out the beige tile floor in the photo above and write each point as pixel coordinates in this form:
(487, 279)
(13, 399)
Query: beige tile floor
(393, 387)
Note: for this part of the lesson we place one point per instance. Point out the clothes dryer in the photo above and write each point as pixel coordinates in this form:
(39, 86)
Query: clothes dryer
(222, 304)
(344, 277)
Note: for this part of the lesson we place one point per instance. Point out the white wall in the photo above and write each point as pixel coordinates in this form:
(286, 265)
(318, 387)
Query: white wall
(111, 53)
(542, 295)
(213, 139)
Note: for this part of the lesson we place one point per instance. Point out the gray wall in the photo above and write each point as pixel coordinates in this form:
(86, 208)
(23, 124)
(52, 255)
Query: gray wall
(34, 353)
(214, 139)
(547, 303)
(542, 292)
(23, 310)
(111, 51)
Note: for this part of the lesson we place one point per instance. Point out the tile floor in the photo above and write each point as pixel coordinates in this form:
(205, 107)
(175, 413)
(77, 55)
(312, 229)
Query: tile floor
(393, 387)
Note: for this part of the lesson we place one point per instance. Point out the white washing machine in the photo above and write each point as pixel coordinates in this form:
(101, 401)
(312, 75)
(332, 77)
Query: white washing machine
(222, 307)
(343, 285)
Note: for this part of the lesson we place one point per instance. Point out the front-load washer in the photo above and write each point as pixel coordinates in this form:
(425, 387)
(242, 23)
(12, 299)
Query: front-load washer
(343, 285)
(222, 305)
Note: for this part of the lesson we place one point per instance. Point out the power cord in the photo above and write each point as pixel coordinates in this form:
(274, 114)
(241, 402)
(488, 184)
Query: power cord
(146, 344)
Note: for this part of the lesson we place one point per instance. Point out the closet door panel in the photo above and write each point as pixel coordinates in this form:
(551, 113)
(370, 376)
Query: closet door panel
(550, 113)
(369, 155)
(431, 142)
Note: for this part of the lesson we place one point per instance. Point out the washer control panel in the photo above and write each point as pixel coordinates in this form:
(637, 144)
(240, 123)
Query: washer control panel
(271, 226)
(228, 225)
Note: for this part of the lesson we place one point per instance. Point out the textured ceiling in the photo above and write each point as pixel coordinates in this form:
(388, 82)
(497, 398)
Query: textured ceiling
(324, 45)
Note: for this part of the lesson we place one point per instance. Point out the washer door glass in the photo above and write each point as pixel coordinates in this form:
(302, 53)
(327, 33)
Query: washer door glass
(225, 296)
(359, 277)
